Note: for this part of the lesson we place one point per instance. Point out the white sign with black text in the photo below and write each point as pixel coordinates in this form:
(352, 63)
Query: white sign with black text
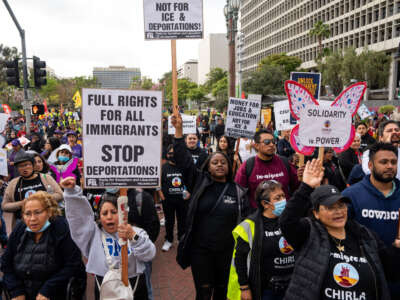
(171, 20)
(282, 115)
(324, 126)
(242, 117)
(3, 162)
(188, 124)
(121, 138)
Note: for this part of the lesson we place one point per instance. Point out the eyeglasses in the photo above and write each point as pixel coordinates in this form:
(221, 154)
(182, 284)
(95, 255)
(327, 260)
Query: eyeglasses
(336, 206)
(36, 213)
(268, 141)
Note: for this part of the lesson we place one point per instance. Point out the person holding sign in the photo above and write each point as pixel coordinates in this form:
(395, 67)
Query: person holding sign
(217, 205)
(337, 258)
(90, 234)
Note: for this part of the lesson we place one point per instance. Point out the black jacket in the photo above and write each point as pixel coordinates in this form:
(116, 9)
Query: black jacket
(197, 182)
(311, 242)
(59, 246)
(366, 141)
(347, 160)
(147, 218)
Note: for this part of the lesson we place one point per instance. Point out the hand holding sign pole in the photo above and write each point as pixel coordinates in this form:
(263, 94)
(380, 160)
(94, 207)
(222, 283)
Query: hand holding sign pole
(345, 106)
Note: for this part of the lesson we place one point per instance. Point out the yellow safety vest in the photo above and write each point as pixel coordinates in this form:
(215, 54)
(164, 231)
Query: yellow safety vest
(246, 231)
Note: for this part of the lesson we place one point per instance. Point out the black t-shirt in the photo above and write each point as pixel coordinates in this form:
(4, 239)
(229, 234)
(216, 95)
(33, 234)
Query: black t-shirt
(172, 184)
(199, 156)
(25, 188)
(277, 256)
(349, 275)
(214, 232)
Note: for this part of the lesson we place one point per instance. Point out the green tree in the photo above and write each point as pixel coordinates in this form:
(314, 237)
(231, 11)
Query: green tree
(267, 80)
(213, 77)
(376, 68)
(289, 63)
(220, 92)
(198, 95)
(7, 93)
(321, 31)
(352, 67)
(331, 70)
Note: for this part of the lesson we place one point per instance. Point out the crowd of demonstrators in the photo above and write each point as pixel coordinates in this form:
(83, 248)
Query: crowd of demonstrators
(242, 238)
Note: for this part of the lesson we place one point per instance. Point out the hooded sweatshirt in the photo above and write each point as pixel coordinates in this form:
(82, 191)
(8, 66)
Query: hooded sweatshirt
(88, 237)
(372, 209)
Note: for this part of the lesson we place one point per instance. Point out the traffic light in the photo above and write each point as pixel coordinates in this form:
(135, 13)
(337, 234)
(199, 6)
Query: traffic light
(12, 72)
(37, 109)
(39, 72)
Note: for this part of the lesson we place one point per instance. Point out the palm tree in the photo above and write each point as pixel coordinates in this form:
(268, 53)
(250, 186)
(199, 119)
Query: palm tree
(320, 30)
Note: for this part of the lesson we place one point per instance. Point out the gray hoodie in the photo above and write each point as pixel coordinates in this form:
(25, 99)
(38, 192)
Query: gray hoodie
(88, 237)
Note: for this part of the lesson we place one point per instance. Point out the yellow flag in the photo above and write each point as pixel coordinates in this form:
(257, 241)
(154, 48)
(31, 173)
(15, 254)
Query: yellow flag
(22, 112)
(266, 115)
(77, 99)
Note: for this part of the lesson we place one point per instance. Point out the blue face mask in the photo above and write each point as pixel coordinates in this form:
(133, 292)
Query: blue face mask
(45, 226)
(63, 158)
(279, 207)
(112, 190)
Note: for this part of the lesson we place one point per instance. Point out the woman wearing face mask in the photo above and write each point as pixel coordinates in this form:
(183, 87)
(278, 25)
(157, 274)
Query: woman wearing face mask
(66, 165)
(271, 257)
(89, 237)
(337, 258)
(216, 206)
(27, 184)
(41, 257)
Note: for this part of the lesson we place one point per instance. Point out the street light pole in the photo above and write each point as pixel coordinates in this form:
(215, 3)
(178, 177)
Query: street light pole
(25, 103)
(231, 10)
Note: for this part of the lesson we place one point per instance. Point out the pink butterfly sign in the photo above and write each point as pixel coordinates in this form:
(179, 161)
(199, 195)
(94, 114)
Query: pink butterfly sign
(299, 97)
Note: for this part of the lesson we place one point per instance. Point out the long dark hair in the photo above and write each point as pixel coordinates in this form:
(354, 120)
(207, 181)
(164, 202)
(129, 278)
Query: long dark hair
(46, 166)
(206, 165)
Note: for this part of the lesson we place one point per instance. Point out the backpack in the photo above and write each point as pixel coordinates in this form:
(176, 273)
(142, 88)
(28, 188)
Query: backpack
(112, 287)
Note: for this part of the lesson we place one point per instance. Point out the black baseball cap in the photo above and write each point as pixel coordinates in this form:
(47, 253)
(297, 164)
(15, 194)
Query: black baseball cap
(327, 195)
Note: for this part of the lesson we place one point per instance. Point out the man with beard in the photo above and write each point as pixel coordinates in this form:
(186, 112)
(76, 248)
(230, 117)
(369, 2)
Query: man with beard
(388, 132)
(375, 200)
(266, 165)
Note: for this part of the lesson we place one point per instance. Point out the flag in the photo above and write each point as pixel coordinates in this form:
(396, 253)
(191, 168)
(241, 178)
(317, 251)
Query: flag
(77, 99)
(243, 95)
(6, 108)
(45, 106)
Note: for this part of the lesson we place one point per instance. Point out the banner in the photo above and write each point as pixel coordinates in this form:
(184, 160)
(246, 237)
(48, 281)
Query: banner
(6, 108)
(242, 117)
(121, 138)
(46, 110)
(364, 112)
(77, 99)
(282, 116)
(188, 125)
(266, 115)
(324, 126)
(311, 81)
(3, 162)
(164, 19)
(3, 121)
(23, 140)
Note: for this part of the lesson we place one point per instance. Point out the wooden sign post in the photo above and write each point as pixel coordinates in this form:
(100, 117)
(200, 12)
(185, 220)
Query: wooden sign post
(122, 214)
(175, 106)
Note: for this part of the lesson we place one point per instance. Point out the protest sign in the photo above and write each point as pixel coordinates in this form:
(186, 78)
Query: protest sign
(3, 162)
(242, 117)
(282, 115)
(121, 138)
(3, 121)
(23, 140)
(188, 125)
(254, 97)
(164, 19)
(324, 126)
(364, 112)
(266, 115)
(311, 81)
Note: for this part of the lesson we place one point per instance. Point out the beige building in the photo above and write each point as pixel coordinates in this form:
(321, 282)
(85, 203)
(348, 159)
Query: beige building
(273, 26)
(189, 70)
(213, 53)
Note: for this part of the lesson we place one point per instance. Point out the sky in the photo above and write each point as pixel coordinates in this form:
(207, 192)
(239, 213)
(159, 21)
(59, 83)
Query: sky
(73, 36)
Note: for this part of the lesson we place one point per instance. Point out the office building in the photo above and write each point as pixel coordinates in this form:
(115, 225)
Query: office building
(213, 53)
(117, 77)
(273, 26)
(189, 70)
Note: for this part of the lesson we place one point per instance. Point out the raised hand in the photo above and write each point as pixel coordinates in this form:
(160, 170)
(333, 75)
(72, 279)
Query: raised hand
(68, 183)
(313, 173)
(176, 121)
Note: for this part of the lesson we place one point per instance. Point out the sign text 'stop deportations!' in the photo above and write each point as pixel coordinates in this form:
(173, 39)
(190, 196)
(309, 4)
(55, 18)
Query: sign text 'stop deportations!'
(179, 19)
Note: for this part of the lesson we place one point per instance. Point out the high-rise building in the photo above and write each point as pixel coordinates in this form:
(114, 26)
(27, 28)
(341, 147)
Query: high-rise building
(276, 26)
(117, 77)
(189, 70)
(213, 53)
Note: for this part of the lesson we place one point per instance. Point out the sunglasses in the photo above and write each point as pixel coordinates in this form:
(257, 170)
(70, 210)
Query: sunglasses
(268, 141)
